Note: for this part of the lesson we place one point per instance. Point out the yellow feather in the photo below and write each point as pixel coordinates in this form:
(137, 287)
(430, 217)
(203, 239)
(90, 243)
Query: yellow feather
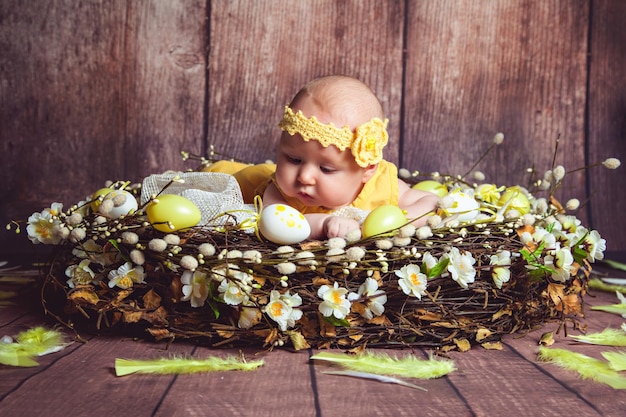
(37, 341)
(587, 367)
(183, 365)
(382, 364)
(607, 337)
(617, 360)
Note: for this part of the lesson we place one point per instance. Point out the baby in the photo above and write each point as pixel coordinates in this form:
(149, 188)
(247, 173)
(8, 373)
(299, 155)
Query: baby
(329, 159)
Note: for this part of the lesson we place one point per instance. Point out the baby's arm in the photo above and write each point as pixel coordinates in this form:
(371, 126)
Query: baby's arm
(322, 225)
(416, 203)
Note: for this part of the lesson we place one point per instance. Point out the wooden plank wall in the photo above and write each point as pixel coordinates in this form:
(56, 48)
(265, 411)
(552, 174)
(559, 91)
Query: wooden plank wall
(98, 90)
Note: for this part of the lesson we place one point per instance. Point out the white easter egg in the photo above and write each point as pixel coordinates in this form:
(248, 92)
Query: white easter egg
(283, 224)
(123, 204)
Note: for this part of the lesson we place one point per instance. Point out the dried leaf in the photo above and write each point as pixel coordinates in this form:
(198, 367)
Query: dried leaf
(151, 300)
(493, 345)
(547, 339)
(131, 316)
(297, 340)
(84, 294)
(482, 334)
(462, 344)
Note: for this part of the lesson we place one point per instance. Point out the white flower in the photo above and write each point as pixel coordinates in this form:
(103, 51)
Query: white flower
(236, 288)
(595, 246)
(44, 227)
(80, 274)
(375, 299)
(461, 267)
(195, 287)
(249, 315)
(429, 261)
(281, 309)
(412, 282)
(335, 302)
(501, 273)
(125, 276)
(561, 263)
(234, 293)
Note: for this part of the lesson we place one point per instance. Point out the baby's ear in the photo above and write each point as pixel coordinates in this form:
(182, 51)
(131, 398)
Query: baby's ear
(369, 172)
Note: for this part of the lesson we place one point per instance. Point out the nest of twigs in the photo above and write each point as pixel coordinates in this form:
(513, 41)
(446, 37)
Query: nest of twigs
(515, 262)
(446, 316)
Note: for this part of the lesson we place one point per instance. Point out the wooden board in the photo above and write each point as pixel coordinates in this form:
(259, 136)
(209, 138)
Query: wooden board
(91, 92)
(262, 53)
(80, 380)
(513, 67)
(607, 122)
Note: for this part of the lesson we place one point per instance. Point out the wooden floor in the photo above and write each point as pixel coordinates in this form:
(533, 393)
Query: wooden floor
(80, 381)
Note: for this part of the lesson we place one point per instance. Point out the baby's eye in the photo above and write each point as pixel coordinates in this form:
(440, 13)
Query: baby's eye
(293, 159)
(327, 170)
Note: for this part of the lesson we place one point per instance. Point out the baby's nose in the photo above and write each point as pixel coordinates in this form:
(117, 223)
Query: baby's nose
(306, 175)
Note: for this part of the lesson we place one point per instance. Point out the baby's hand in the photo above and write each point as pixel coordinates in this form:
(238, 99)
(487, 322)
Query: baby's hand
(336, 226)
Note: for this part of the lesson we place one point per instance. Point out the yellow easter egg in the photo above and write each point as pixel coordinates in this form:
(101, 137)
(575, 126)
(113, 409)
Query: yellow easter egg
(171, 212)
(516, 199)
(283, 224)
(382, 220)
(95, 202)
(432, 186)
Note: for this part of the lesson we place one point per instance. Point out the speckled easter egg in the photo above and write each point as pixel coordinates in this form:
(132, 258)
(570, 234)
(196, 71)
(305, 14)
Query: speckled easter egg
(283, 224)
(177, 210)
(382, 220)
(123, 203)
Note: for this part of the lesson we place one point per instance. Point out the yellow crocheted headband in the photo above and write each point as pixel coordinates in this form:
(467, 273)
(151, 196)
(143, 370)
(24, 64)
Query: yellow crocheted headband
(366, 142)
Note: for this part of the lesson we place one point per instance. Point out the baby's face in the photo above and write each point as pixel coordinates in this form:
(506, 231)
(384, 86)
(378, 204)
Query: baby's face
(317, 176)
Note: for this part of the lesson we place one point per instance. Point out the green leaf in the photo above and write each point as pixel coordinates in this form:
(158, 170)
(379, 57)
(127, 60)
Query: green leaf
(116, 245)
(439, 268)
(337, 322)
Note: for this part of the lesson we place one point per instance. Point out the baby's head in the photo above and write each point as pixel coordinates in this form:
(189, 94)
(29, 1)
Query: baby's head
(349, 115)
(333, 137)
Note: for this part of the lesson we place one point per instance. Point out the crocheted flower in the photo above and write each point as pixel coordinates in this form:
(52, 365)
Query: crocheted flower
(369, 141)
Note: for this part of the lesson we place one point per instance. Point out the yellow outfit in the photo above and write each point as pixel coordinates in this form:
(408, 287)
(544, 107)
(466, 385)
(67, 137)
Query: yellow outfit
(381, 189)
